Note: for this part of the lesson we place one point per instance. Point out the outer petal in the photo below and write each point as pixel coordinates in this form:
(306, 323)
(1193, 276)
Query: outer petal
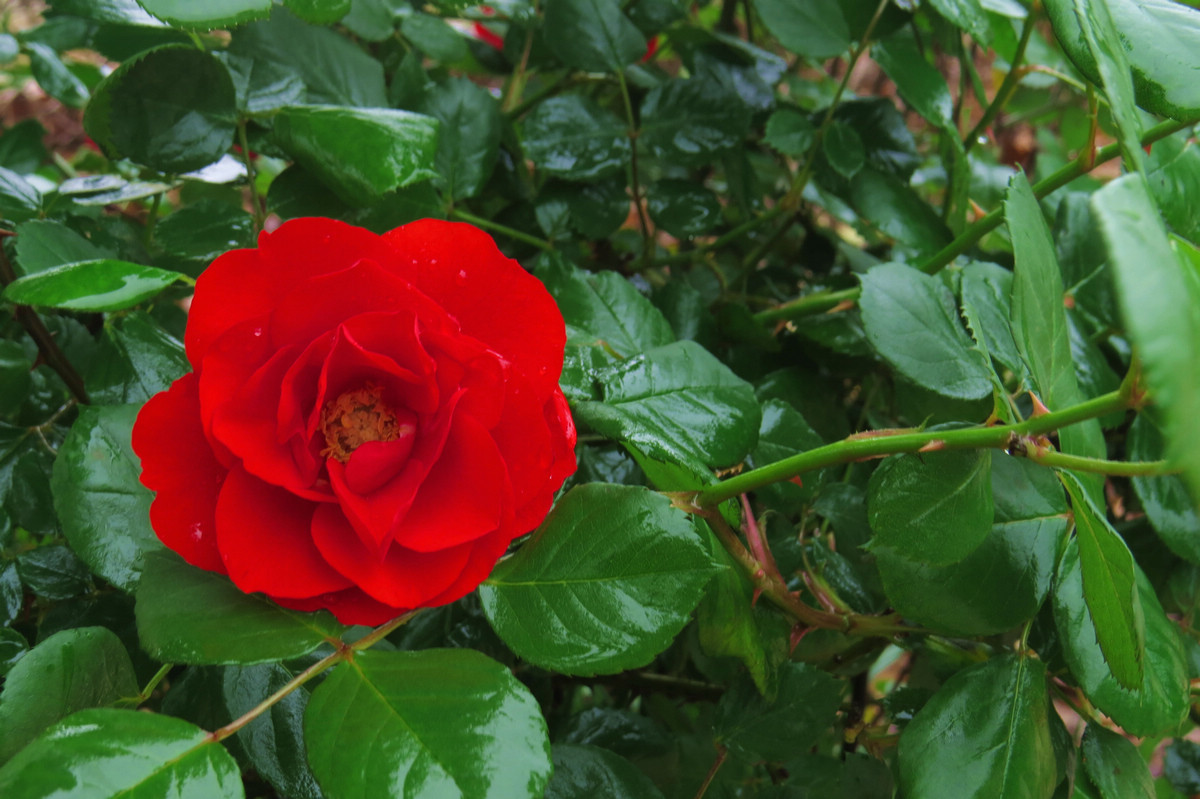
(178, 463)
(265, 537)
(351, 606)
(491, 296)
(484, 554)
(243, 284)
(403, 578)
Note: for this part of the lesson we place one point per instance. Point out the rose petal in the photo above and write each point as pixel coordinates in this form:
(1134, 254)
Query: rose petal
(484, 554)
(243, 284)
(179, 465)
(463, 362)
(374, 515)
(403, 578)
(265, 537)
(229, 363)
(491, 296)
(374, 463)
(463, 497)
(350, 606)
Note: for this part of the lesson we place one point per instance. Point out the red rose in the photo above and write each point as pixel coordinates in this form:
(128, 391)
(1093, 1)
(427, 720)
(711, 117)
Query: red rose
(371, 420)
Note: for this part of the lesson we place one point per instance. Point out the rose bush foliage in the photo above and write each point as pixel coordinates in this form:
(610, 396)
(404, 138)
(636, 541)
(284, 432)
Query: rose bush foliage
(370, 422)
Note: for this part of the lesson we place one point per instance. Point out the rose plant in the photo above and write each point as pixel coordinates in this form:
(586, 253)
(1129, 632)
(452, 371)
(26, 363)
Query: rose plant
(568, 398)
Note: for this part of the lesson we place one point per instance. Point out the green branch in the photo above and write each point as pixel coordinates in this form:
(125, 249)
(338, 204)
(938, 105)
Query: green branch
(864, 446)
(504, 230)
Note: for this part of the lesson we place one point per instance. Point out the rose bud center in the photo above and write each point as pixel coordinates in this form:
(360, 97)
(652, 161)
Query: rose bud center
(362, 415)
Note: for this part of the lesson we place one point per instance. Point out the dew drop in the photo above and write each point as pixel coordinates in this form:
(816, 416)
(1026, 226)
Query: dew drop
(196, 531)
(461, 278)
(257, 332)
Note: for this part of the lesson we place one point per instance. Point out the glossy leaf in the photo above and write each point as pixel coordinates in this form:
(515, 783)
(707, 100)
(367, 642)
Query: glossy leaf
(135, 360)
(911, 320)
(54, 77)
(99, 285)
(1159, 702)
(188, 615)
(689, 121)
(934, 508)
(843, 149)
(576, 139)
(1165, 499)
(13, 645)
(682, 208)
(1015, 561)
(103, 508)
(468, 139)
(19, 200)
(790, 132)
(898, 210)
(333, 69)
(53, 571)
(123, 12)
(676, 401)
(605, 308)
(811, 29)
(1103, 39)
(209, 14)
(591, 771)
(361, 154)
(69, 671)
(1040, 322)
(437, 722)
(171, 108)
(592, 35)
(319, 12)
(44, 243)
(1114, 765)
(920, 84)
(273, 742)
(970, 15)
(987, 289)
(98, 754)
(614, 572)
(1161, 310)
(988, 727)
(1160, 38)
(791, 722)
(1109, 588)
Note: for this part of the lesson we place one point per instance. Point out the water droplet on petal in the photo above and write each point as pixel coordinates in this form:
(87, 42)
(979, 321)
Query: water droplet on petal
(461, 278)
(196, 531)
(258, 331)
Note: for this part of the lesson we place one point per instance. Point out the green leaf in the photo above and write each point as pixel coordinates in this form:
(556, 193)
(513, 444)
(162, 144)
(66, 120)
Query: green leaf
(54, 571)
(103, 508)
(614, 570)
(574, 138)
(988, 727)
(785, 432)
(591, 771)
(911, 319)
(69, 671)
(360, 153)
(814, 29)
(1040, 322)
(334, 70)
(592, 35)
(933, 508)
(434, 37)
(605, 308)
(1181, 766)
(1160, 38)
(273, 742)
(188, 615)
(319, 12)
(171, 108)
(676, 402)
(1160, 702)
(970, 15)
(843, 149)
(987, 289)
(209, 14)
(469, 140)
(19, 199)
(790, 132)
(54, 77)
(920, 84)
(119, 12)
(100, 285)
(1109, 588)
(13, 645)
(1114, 765)
(897, 209)
(1165, 500)
(44, 243)
(135, 360)
(198, 233)
(690, 121)
(1015, 561)
(800, 713)
(103, 754)
(439, 722)
(1161, 312)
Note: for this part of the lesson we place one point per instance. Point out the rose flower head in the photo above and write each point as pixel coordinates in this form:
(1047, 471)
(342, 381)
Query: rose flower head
(370, 420)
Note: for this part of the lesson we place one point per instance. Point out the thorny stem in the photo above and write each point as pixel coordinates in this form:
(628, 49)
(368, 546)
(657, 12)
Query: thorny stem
(1007, 87)
(803, 306)
(488, 224)
(342, 652)
(28, 318)
(1041, 454)
(863, 446)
